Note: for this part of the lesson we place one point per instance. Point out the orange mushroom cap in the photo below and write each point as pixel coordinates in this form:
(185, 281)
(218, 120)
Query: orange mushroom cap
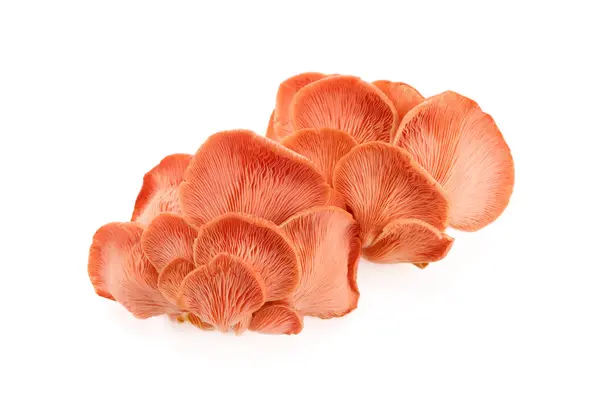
(119, 271)
(281, 117)
(346, 103)
(159, 192)
(463, 149)
(239, 171)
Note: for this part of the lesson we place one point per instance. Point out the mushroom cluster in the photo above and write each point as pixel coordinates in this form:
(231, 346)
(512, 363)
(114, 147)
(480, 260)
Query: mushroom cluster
(256, 233)
(406, 166)
(238, 236)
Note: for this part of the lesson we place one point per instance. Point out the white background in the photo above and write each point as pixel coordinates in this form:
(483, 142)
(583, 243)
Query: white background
(93, 94)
